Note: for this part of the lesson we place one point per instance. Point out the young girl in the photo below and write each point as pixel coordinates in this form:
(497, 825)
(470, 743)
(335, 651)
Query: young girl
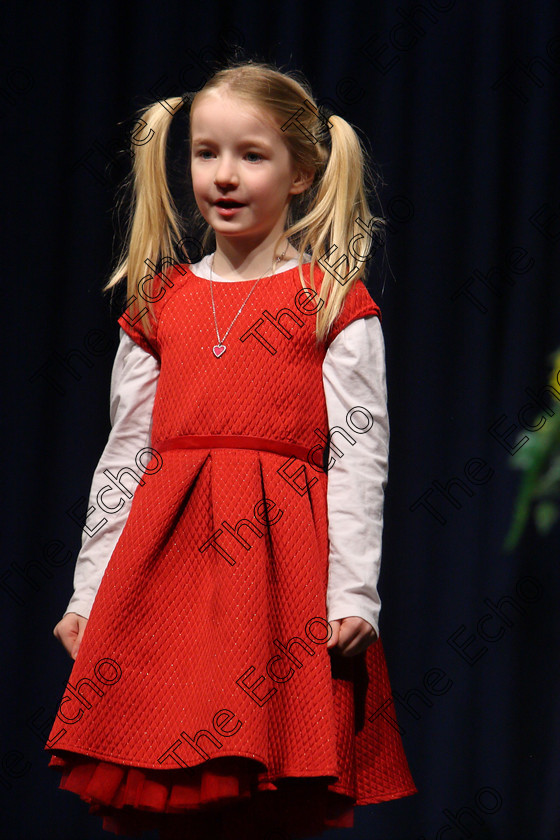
(229, 680)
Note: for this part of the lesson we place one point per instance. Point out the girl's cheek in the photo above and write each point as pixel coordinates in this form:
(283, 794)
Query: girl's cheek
(197, 186)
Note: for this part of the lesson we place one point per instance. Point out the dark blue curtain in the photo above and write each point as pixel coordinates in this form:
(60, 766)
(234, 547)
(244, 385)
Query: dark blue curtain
(459, 104)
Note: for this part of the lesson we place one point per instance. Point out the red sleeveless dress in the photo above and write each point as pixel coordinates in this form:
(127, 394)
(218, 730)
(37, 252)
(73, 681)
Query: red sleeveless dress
(203, 700)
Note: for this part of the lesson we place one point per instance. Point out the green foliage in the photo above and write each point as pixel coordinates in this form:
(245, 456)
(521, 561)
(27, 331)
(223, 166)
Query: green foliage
(539, 489)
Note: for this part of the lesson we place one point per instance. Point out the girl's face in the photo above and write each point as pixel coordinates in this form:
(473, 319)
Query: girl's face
(242, 172)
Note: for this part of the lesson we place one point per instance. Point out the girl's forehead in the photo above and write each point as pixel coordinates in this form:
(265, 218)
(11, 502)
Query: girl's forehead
(219, 107)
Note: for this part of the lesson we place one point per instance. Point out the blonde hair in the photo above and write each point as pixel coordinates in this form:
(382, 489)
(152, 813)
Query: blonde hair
(322, 219)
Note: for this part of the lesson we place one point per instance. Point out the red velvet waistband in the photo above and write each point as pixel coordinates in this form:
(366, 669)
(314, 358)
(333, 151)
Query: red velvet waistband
(233, 442)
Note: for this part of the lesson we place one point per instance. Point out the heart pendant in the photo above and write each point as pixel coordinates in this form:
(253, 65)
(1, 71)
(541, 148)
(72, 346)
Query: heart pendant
(218, 349)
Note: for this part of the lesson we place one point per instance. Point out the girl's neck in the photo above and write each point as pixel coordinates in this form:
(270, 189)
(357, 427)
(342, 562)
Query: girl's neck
(232, 266)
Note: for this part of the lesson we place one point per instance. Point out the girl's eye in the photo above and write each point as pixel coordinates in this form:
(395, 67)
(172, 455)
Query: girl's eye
(253, 156)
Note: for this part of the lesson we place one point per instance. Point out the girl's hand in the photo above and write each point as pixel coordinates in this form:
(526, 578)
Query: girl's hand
(351, 635)
(69, 631)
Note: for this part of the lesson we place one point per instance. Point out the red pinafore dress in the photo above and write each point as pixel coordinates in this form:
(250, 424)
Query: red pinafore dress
(203, 700)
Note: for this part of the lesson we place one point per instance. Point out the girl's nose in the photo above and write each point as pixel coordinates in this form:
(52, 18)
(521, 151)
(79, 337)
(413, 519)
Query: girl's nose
(225, 172)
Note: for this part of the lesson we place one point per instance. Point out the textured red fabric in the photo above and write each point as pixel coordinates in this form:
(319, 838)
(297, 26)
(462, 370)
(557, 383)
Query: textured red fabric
(211, 615)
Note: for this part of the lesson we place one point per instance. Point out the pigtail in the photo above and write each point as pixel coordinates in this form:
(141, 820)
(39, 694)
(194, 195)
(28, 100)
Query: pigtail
(337, 224)
(153, 225)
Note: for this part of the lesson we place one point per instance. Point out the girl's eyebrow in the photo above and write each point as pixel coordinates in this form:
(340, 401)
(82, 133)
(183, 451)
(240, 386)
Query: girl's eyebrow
(202, 141)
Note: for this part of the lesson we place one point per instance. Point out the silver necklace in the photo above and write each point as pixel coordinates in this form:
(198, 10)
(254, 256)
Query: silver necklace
(220, 347)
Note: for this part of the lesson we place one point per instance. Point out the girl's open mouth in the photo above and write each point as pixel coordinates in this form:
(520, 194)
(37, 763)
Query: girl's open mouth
(227, 207)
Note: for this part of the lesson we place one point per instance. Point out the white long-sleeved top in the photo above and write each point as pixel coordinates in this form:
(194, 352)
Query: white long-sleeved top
(353, 375)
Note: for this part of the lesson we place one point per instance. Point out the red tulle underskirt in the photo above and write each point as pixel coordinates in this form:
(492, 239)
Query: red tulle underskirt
(221, 799)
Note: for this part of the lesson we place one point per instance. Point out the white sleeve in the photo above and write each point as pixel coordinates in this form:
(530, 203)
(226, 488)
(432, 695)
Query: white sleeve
(133, 388)
(354, 375)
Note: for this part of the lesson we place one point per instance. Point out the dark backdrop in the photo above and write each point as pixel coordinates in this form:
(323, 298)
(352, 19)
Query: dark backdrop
(460, 103)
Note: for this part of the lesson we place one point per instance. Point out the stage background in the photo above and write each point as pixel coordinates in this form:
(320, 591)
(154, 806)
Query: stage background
(459, 103)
